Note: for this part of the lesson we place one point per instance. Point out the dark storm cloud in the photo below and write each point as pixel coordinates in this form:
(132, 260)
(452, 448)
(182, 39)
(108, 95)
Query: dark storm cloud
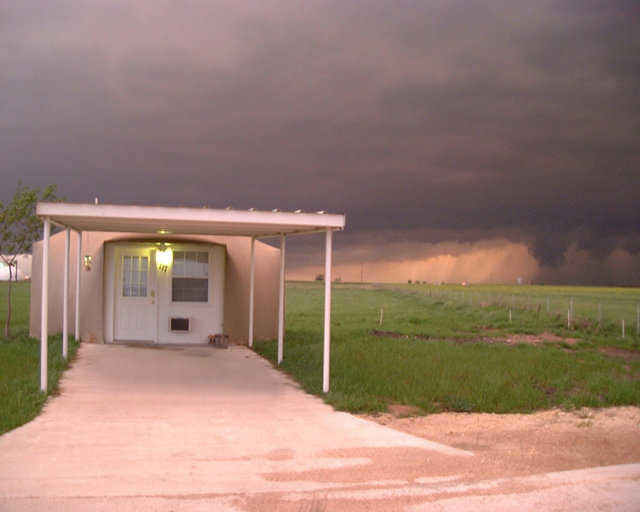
(431, 121)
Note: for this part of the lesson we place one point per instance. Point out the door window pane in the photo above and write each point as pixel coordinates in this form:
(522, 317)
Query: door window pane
(134, 276)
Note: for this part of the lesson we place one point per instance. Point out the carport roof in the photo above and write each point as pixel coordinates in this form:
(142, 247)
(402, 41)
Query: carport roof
(189, 221)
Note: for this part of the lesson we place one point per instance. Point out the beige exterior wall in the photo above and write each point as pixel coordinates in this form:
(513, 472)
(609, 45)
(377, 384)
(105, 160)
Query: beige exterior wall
(236, 294)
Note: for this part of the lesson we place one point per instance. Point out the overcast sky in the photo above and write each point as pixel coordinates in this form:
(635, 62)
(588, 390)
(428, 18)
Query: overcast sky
(500, 134)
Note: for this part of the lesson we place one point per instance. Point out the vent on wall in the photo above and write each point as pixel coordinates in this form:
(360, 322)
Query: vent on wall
(179, 324)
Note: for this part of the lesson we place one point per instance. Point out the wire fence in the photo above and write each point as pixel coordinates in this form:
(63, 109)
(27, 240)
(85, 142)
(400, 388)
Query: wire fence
(610, 309)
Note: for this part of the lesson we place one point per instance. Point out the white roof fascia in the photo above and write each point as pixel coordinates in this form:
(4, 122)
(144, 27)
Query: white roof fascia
(230, 222)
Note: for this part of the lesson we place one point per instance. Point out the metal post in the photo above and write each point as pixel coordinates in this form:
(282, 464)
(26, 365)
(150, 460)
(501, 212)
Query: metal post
(44, 327)
(327, 312)
(78, 272)
(281, 301)
(251, 290)
(65, 296)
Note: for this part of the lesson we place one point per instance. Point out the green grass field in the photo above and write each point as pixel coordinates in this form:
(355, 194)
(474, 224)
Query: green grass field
(605, 305)
(436, 355)
(20, 397)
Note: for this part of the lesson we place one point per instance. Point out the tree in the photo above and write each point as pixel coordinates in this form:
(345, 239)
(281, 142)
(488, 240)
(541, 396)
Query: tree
(19, 228)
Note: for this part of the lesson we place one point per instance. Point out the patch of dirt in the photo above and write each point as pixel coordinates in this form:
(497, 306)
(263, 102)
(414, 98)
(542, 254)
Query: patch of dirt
(518, 444)
(545, 337)
(402, 411)
(395, 334)
(512, 339)
(627, 355)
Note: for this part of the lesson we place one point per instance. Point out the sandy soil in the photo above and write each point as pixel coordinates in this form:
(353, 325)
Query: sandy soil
(518, 444)
(505, 446)
(489, 337)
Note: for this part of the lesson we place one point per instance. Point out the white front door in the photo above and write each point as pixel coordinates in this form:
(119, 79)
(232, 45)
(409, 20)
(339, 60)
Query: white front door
(136, 309)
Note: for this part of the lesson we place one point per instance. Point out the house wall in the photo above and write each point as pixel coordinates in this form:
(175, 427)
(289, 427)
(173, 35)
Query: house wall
(236, 293)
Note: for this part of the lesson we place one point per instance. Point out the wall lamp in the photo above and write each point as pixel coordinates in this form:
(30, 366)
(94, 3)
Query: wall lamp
(163, 259)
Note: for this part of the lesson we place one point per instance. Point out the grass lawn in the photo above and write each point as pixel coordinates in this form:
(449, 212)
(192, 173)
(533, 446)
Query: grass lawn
(20, 396)
(435, 355)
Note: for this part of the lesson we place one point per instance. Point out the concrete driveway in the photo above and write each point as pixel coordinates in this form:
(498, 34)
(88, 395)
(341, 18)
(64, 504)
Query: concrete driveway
(204, 429)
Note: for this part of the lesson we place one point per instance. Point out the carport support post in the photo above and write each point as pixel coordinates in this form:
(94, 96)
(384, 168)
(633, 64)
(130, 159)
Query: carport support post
(252, 284)
(78, 268)
(44, 327)
(281, 301)
(65, 296)
(327, 312)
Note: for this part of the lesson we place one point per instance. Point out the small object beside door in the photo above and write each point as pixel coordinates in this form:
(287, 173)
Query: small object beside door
(219, 340)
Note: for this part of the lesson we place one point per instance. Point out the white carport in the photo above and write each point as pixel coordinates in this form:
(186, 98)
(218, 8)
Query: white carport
(185, 221)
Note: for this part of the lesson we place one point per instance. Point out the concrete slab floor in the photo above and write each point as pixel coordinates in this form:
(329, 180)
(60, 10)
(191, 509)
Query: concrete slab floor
(195, 428)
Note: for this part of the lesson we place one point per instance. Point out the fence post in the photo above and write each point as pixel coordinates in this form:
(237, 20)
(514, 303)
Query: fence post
(623, 327)
(509, 315)
(381, 315)
(571, 308)
(599, 314)
(547, 305)
(569, 318)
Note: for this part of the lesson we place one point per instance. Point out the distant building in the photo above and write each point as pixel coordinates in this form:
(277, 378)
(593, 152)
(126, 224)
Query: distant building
(20, 272)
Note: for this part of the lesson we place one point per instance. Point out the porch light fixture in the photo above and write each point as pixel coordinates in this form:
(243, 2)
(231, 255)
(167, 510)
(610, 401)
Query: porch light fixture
(163, 259)
(88, 259)
(163, 231)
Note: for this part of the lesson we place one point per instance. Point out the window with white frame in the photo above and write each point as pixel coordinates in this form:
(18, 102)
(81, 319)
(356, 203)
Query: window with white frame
(134, 276)
(190, 276)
